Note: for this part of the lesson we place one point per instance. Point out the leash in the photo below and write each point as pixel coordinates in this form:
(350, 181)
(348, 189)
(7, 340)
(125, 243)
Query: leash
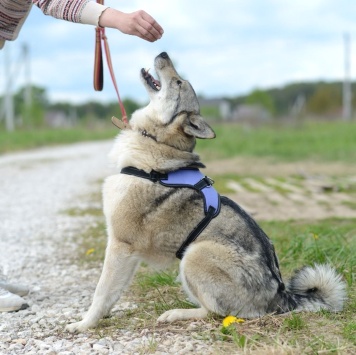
(101, 39)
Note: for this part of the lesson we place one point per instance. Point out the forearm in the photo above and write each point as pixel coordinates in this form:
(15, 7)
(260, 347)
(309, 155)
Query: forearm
(81, 11)
(138, 23)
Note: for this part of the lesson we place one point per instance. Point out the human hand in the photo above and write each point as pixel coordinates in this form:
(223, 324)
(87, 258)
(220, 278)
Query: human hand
(138, 23)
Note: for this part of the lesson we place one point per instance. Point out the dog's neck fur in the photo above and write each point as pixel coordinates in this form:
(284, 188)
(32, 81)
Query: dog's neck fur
(134, 149)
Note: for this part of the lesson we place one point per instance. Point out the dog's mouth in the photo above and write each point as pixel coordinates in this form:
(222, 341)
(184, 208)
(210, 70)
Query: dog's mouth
(150, 80)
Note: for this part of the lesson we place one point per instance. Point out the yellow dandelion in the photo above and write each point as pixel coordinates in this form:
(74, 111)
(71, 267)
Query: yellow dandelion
(315, 236)
(90, 251)
(230, 320)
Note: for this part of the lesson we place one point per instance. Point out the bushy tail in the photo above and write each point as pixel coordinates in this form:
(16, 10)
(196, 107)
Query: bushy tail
(317, 287)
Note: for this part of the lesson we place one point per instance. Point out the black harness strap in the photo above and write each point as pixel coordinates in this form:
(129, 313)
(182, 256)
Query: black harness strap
(195, 232)
(212, 212)
(153, 175)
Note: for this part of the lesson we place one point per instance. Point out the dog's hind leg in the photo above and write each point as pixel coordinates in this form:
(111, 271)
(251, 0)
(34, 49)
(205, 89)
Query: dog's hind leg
(118, 270)
(212, 275)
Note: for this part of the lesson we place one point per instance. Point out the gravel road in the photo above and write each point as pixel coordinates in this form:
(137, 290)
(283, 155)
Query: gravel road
(37, 247)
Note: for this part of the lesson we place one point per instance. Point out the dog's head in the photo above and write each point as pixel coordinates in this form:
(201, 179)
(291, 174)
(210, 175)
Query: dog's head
(173, 114)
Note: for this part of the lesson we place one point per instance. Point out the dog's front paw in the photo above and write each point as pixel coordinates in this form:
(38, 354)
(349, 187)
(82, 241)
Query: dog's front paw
(77, 327)
(170, 316)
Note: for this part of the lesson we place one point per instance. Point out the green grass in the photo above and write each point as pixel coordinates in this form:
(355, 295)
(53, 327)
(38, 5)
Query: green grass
(21, 140)
(331, 241)
(328, 141)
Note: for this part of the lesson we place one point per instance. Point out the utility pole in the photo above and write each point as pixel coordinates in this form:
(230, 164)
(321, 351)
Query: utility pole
(9, 104)
(346, 92)
(26, 60)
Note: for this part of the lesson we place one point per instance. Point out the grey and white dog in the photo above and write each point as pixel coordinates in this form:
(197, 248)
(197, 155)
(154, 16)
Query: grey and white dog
(231, 268)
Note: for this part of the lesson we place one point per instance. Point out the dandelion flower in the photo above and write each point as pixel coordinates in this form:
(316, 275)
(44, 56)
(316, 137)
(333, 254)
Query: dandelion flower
(230, 320)
(90, 251)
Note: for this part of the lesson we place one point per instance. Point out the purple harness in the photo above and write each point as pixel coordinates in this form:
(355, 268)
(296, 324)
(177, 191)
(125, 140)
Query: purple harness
(190, 178)
(194, 179)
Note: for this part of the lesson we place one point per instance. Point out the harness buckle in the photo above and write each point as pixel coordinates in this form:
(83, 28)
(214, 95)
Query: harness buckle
(155, 176)
(209, 181)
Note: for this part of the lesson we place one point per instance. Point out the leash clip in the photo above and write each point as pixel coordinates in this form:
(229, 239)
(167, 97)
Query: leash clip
(120, 124)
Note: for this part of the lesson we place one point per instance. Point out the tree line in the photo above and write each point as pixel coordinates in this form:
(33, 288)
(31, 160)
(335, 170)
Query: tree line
(314, 98)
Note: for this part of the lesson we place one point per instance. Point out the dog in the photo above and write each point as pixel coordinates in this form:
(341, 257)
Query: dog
(229, 267)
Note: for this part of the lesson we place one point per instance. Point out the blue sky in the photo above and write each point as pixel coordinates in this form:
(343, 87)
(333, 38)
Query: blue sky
(224, 48)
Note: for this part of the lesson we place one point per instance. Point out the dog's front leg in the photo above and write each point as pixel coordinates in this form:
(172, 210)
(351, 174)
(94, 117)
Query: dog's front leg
(118, 270)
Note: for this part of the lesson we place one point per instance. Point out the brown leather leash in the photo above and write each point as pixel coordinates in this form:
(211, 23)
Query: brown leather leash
(101, 39)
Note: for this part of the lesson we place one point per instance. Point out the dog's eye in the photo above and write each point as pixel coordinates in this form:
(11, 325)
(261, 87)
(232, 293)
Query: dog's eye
(179, 82)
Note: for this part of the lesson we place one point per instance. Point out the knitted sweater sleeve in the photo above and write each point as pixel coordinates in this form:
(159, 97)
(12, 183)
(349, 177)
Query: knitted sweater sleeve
(82, 11)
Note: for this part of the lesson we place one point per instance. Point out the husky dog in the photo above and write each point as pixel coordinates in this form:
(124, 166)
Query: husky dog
(231, 267)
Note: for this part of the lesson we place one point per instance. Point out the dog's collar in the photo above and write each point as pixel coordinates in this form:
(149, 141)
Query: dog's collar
(191, 178)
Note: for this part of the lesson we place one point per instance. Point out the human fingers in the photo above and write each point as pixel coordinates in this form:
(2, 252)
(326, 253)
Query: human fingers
(147, 27)
(153, 23)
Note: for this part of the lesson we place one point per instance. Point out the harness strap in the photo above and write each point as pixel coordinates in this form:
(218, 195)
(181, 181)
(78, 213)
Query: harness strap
(191, 178)
(195, 232)
(194, 179)
(153, 175)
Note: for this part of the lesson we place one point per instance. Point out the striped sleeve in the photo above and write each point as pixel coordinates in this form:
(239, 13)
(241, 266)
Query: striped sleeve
(13, 13)
(82, 11)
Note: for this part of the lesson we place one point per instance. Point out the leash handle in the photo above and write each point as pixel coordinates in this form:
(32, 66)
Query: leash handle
(98, 62)
(100, 38)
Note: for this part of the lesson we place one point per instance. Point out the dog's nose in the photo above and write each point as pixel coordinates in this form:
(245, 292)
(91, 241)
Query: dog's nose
(164, 55)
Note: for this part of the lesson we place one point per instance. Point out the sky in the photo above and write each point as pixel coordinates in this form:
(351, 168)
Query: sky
(224, 48)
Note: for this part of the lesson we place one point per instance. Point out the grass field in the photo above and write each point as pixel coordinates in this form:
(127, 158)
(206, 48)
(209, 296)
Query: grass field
(325, 141)
(23, 140)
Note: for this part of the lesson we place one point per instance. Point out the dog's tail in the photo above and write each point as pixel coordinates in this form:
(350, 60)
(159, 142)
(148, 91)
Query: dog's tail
(313, 288)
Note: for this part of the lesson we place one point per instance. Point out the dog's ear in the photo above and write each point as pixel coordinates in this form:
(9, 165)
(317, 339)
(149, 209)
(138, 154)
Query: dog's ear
(197, 127)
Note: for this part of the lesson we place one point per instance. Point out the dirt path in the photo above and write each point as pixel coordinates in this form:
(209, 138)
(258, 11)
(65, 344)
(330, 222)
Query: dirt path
(282, 191)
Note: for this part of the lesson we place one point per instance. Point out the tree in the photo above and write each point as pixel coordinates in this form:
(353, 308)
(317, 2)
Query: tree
(325, 100)
(261, 98)
(31, 111)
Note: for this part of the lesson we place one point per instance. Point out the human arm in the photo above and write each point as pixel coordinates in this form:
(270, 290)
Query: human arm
(138, 23)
